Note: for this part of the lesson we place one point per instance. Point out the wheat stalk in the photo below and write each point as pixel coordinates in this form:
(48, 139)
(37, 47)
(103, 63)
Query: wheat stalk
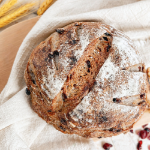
(16, 14)
(7, 6)
(44, 6)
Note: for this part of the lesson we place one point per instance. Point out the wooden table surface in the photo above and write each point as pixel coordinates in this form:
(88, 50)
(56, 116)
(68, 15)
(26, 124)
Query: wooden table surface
(10, 41)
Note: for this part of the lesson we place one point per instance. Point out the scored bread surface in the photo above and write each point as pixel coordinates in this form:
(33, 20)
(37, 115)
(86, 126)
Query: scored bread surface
(87, 79)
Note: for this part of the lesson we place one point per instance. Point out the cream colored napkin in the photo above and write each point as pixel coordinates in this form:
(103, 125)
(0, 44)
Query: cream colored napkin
(20, 127)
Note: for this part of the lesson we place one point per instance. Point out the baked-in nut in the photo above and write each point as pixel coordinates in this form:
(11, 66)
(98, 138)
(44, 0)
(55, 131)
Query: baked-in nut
(87, 79)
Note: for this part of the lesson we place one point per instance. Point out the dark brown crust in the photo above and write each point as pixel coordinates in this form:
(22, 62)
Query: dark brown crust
(56, 110)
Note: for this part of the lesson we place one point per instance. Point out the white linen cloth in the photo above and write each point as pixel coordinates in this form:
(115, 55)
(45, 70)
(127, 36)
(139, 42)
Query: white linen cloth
(20, 126)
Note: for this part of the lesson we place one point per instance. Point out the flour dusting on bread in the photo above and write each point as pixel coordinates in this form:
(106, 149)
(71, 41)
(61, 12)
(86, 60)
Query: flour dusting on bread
(106, 103)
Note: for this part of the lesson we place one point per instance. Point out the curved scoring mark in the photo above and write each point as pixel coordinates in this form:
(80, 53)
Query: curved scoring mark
(83, 74)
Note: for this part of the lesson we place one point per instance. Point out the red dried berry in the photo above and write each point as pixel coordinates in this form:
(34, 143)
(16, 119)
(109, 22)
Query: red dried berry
(142, 96)
(147, 130)
(116, 100)
(144, 125)
(148, 137)
(107, 146)
(149, 147)
(131, 131)
(139, 146)
(140, 142)
(143, 134)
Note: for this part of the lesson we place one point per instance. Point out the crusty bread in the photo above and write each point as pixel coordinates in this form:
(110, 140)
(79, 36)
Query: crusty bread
(87, 79)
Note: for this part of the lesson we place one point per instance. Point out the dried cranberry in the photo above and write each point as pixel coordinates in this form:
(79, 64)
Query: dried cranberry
(139, 68)
(131, 131)
(141, 102)
(55, 53)
(144, 125)
(148, 137)
(115, 100)
(63, 121)
(108, 47)
(50, 56)
(33, 82)
(77, 24)
(118, 130)
(118, 100)
(88, 63)
(147, 130)
(60, 31)
(149, 147)
(62, 128)
(111, 129)
(107, 146)
(99, 49)
(95, 83)
(143, 134)
(105, 38)
(140, 142)
(139, 146)
(142, 96)
(107, 34)
(73, 42)
(28, 91)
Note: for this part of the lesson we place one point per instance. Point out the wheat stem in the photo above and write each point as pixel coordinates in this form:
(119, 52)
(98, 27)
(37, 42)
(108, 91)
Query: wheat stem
(7, 6)
(16, 14)
(44, 6)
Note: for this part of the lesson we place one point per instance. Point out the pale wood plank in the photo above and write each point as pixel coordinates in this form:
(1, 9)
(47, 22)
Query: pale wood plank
(10, 41)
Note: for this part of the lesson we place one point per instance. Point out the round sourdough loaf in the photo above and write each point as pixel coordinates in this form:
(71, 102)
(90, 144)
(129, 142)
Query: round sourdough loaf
(87, 79)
